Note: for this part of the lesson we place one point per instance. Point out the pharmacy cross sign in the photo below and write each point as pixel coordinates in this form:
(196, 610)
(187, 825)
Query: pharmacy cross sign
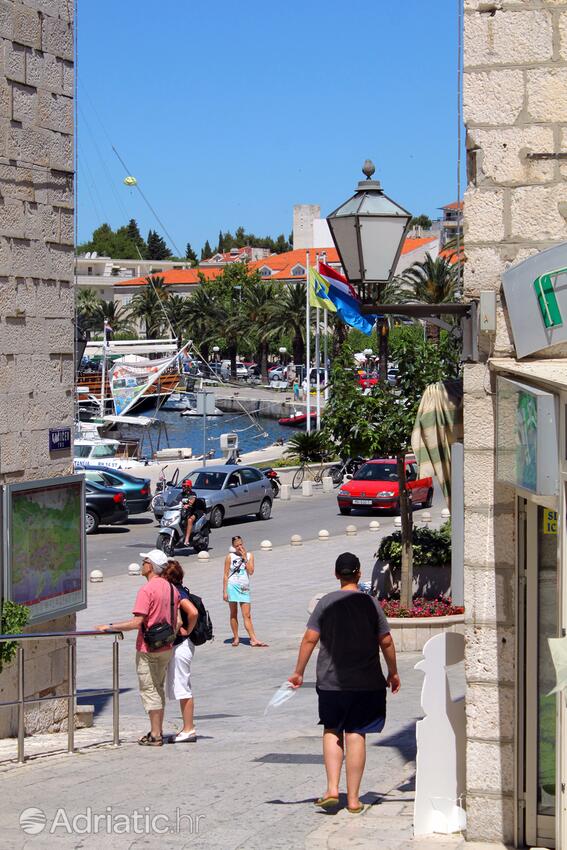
(536, 299)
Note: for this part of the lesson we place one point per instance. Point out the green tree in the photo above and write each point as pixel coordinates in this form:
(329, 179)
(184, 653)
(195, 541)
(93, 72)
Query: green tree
(191, 255)
(380, 424)
(202, 318)
(260, 305)
(109, 243)
(148, 306)
(157, 249)
(230, 294)
(87, 305)
(134, 235)
(206, 252)
(421, 221)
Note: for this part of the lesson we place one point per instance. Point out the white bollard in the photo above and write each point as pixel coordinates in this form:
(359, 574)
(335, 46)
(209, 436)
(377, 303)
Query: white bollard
(350, 530)
(96, 575)
(374, 525)
(445, 513)
(266, 545)
(324, 534)
(285, 493)
(296, 540)
(134, 570)
(307, 488)
(327, 484)
(398, 522)
(425, 517)
(203, 556)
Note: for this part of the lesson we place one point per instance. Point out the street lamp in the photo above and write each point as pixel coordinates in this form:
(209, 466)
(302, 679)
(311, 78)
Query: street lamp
(368, 231)
(216, 350)
(367, 352)
(283, 352)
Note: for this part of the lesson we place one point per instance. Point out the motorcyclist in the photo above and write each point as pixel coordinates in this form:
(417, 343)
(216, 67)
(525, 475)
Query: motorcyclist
(191, 509)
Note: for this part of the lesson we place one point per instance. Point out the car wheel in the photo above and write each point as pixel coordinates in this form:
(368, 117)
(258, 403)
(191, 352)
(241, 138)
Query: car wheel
(265, 510)
(216, 517)
(429, 501)
(91, 522)
(345, 511)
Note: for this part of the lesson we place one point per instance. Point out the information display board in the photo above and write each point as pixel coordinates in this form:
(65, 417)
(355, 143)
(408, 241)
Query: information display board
(44, 546)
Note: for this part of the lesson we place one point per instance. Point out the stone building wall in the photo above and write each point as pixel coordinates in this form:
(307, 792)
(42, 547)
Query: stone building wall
(36, 266)
(515, 102)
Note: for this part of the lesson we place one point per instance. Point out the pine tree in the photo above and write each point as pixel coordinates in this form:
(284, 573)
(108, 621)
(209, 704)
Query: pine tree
(191, 255)
(157, 249)
(206, 252)
(221, 247)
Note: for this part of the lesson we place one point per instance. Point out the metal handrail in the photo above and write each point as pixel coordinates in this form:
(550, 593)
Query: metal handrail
(72, 676)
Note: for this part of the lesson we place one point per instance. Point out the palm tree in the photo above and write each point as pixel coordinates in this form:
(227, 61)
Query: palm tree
(201, 318)
(148, 306)
(117, 316)
(87, 304)
(175, 310)
(260, 305)
(289, 314)
(433, 281)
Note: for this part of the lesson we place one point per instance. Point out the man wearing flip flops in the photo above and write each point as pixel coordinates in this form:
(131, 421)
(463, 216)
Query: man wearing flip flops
(157, 602)
(350, 627)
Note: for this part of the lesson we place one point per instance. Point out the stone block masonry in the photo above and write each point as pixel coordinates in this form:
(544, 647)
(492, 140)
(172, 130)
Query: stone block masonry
(514, 85)
(36, 286)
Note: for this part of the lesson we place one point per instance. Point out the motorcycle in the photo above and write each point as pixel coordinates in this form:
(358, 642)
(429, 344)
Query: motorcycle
(346, 467)
(275, 481)
(171, 533)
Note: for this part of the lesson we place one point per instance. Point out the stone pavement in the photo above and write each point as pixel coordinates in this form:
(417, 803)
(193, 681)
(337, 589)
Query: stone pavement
(250, 780)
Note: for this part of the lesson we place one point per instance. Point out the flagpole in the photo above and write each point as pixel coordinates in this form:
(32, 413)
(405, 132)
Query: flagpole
(325, 344)
(307, 341)
(317, 358)
(103, 379)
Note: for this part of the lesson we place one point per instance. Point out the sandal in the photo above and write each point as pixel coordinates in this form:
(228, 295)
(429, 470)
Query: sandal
(326, 802)
(357, 811)
(149, 741)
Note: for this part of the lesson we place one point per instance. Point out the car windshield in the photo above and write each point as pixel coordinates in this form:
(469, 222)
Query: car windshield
(82, 451)
(376, 472)
(209, 480)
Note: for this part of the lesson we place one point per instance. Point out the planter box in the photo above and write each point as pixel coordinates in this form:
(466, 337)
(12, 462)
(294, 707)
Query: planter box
(412, 633)
(428, 582)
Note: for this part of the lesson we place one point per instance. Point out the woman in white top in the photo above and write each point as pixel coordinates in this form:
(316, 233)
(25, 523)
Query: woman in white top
(238, 567)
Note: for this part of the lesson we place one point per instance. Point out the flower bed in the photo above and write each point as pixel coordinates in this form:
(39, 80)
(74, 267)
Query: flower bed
(421, 608)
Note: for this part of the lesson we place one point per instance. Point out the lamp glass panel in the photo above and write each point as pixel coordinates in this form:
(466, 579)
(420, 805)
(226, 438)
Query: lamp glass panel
(345, 238)
(375, 204)
(380, 238)
(349, 207)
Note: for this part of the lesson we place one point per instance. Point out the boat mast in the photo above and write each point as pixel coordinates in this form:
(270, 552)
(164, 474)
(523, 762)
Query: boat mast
(103, 382)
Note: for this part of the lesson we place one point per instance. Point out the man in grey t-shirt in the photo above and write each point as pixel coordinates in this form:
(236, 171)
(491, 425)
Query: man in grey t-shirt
(351, 628)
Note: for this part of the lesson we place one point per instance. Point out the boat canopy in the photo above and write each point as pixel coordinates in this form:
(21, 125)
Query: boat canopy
(132, 346)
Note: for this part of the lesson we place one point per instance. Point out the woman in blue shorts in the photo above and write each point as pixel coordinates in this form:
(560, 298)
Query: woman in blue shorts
(238, 567)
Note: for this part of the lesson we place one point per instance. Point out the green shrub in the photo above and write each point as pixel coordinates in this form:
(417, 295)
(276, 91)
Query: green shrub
(13, 618)
(431, 547)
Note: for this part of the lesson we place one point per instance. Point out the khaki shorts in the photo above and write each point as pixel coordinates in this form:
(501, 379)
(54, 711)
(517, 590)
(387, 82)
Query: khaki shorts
(151, 668)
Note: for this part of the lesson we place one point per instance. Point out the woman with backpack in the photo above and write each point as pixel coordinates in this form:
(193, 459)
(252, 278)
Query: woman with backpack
(179, 669)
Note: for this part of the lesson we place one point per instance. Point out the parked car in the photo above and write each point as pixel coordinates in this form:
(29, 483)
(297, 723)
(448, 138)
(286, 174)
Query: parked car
(103, 506)
(375, 485)
(241, 370)
(367, 379)
(137, 490)
(230, 492)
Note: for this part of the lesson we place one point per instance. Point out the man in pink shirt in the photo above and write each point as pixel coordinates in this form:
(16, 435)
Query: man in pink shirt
(153, 605)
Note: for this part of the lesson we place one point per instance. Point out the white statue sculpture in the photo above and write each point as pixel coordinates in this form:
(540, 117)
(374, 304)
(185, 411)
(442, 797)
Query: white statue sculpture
(440, 763)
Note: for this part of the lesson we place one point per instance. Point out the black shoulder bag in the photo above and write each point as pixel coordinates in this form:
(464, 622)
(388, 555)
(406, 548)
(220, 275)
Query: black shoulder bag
(160, 634)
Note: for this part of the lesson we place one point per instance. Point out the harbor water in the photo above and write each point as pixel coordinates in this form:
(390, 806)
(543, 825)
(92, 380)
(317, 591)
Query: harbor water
(253, 432)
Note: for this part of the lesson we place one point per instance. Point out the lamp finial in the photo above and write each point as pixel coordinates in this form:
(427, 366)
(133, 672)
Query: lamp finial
(368, 168)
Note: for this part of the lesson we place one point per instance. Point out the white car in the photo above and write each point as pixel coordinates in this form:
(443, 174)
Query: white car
(241, 371)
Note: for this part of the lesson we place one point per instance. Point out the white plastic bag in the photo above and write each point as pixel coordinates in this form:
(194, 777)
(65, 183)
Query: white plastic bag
(283, 693)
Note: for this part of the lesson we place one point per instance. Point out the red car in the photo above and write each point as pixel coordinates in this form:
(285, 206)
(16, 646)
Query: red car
(375, 485)
(367, 379)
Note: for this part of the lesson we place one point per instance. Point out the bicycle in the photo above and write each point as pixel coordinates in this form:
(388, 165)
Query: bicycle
(315, 475)
(348, 466)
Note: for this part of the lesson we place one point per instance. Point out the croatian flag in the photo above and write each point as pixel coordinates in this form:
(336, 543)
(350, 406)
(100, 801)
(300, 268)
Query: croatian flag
(345, 299)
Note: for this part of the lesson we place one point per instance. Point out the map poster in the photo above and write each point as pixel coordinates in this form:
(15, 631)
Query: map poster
(44, 557)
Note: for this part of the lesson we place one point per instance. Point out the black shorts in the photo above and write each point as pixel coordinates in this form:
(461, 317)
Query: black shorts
(352, 711)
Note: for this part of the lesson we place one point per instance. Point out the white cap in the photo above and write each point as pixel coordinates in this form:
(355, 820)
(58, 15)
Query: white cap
(157, 558)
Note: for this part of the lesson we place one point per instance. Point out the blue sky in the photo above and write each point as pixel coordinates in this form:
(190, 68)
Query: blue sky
(230, 113)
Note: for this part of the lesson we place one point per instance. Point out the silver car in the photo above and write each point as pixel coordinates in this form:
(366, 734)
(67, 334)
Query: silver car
(232, 491)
